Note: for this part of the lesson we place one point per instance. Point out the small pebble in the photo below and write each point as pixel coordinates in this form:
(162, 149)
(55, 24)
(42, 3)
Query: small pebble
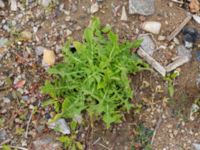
(94, 8)
(6, 100)
(161, 38)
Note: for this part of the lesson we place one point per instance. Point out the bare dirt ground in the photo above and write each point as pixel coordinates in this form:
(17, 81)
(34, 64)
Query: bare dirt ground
(21, 62)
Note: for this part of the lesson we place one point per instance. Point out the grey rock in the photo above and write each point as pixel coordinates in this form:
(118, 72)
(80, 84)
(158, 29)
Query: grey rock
(6, 100)
(2, 5)
(3, 42)
(195, 146)
(25, 98)
(147, 45)
(142, 7)
(60, 125)
(46, 143)
(40, 128)
(193, 110)
(3, 135)
(6, 28)
(198, 81)
(39, 50)
(74, 8)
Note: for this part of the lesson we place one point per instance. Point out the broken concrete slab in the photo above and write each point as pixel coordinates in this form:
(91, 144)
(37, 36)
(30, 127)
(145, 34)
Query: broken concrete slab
(182, 51)
(150, 60)
(147, 49)
(142, 7)
(177, 63)
(147, 44)
(184, 56)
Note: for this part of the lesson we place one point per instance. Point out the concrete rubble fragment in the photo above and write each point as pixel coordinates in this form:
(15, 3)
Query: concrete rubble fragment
(184, 56)
(147, 49)
(152, 61)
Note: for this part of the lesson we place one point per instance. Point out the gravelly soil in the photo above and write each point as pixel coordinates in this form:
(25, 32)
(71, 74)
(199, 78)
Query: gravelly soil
(50, 28)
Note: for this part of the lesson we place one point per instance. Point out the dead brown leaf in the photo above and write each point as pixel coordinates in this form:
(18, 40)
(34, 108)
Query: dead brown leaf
(194, 6)
(19, 84)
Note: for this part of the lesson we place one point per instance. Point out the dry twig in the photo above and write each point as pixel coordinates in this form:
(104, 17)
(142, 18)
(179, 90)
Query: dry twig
(156, 128)
(104, 146)
(16, 147)
(28, 124)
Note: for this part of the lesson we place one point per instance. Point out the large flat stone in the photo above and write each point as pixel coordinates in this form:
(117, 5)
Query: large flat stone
(142, 7)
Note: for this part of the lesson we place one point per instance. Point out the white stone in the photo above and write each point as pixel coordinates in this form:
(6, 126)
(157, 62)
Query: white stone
(13, 5)
(151, 26)
(124, 14)
(176, 41)
(68, 32)
(161, 38)
(94, 8)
